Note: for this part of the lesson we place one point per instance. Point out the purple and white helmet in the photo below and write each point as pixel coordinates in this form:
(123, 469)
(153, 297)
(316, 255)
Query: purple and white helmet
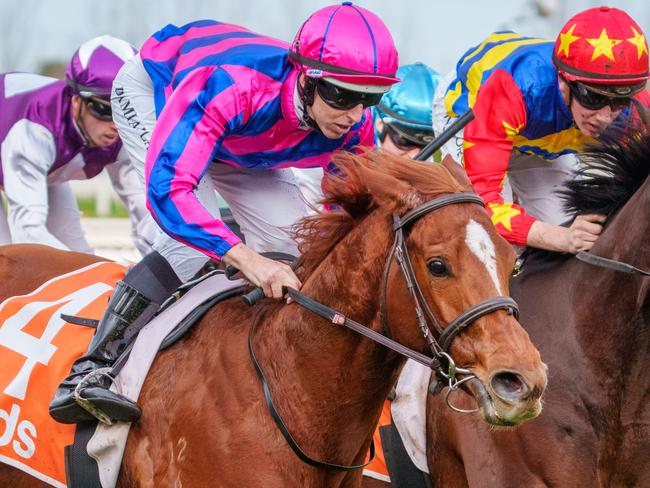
(95, 64)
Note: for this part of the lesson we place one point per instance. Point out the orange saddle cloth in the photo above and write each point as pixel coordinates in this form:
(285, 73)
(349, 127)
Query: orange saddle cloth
(37, 349)
(377, 468)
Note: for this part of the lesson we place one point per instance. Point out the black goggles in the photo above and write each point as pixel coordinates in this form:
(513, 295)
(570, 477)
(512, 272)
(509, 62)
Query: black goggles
(99, 110)
(592, 100)
(343, 99)
(404, 140)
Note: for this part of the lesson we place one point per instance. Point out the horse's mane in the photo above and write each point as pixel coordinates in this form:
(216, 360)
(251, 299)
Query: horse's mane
(611, 172)
(361, 184)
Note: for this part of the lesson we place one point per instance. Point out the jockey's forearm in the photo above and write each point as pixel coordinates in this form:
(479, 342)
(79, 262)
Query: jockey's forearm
(548, 236)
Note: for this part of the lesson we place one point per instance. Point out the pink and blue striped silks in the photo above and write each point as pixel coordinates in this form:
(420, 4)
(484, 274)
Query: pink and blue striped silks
(223, 95)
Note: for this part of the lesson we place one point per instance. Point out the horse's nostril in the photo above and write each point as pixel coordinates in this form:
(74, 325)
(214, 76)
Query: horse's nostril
(510, 386)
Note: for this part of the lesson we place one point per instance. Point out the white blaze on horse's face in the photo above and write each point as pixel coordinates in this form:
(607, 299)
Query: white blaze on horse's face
(479, 242)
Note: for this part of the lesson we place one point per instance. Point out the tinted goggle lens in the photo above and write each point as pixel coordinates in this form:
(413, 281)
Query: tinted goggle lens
(342, 99)
(405, 141)
(99, 110)
(595, 101)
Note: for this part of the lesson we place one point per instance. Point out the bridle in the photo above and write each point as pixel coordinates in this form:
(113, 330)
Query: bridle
(440, 361)
(426, 319)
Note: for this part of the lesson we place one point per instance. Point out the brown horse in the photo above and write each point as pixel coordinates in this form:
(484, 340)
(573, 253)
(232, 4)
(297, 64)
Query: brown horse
(205, 422)
(592, 326)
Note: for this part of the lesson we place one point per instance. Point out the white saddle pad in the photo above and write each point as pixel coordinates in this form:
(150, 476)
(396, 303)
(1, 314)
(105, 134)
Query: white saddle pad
(108, 442)
(409, 411)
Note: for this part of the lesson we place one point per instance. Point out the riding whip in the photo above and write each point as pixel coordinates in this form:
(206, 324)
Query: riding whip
(445, 135)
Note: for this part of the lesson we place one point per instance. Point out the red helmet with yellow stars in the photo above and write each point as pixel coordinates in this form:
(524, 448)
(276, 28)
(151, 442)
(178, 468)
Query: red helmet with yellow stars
(603, 46)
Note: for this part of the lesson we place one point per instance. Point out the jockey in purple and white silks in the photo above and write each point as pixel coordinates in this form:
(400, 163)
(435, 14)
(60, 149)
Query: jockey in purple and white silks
(212, 105)
(55, 131)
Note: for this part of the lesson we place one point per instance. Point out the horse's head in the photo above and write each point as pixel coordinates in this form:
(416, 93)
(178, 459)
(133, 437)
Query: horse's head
(459, 268)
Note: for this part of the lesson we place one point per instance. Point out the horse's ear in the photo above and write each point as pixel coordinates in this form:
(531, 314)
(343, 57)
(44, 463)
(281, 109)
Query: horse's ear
(386, 189)
(457, 172)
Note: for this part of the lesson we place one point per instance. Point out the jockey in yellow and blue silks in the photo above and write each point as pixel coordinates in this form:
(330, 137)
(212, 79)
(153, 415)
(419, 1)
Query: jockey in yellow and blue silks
(403, 116)
(536, 103)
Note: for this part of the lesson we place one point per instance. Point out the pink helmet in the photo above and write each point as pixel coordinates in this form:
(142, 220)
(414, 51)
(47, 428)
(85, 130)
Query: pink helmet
(347, 44)
(95, 64)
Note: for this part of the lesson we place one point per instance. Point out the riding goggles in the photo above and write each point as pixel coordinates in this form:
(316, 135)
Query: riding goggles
(344, 99)
(99, 110)
(405, 140)
(592, 100)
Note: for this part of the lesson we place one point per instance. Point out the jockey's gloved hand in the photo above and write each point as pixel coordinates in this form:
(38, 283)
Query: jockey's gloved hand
(269, 275)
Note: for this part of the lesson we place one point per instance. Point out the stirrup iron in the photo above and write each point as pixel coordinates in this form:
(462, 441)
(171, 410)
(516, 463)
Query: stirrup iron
(85, 404)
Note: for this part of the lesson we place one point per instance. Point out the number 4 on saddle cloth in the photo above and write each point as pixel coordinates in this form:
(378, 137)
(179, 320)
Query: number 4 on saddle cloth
(37, 349)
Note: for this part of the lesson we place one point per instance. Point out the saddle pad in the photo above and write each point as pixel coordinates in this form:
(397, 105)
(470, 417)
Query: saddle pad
(409, 411)
(108, 442)
(37, 349)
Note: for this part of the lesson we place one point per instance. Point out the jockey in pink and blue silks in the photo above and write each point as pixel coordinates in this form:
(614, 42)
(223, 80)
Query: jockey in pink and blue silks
(54, 131)
(215, 106)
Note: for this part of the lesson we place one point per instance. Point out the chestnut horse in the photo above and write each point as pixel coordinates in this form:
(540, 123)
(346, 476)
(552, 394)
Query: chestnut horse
(592, 326)
(205, 421)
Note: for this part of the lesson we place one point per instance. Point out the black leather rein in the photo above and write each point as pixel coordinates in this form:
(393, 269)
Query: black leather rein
(602, 262)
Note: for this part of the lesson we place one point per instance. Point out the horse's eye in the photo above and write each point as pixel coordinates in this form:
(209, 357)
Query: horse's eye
(438, 267)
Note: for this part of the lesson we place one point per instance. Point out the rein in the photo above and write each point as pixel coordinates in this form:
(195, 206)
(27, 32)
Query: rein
(426, 321)
(602, 262)
(337, 318)
(278, 419)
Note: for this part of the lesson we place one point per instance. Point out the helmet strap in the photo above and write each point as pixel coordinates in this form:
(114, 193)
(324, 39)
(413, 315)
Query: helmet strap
(573, 120)
(384, 131)
(570, 101)
(306, 93)
(88, 142)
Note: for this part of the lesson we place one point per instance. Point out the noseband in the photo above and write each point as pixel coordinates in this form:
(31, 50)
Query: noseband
(440, 361)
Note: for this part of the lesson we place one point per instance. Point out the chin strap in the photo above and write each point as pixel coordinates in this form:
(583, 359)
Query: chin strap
(384, 131)
(306, 95)
(88, 142)
(644, 114)
(573, 122)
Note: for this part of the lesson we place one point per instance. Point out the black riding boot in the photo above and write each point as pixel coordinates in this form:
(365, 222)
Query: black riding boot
(133, 303)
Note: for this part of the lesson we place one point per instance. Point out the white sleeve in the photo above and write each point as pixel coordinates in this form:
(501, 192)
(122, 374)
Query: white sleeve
(129, 186)
(28, 153)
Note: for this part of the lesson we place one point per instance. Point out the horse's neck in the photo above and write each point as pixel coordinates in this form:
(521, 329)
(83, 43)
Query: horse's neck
(613, 306)
(626, 240)
(341, 378)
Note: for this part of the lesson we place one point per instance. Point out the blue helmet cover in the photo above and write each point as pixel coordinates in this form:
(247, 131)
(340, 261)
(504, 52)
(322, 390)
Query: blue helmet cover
(408, 106)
